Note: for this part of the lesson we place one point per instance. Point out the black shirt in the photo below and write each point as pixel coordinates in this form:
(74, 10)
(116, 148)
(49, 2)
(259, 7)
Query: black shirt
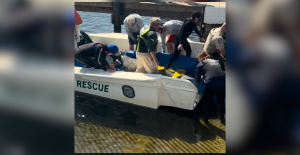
(212, 73)
(186, 30)
(97, 52)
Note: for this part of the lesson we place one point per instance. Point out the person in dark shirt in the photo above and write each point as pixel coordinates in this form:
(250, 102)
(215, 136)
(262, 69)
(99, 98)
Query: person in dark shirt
(181, 39)
(214, 84)
(97, 55)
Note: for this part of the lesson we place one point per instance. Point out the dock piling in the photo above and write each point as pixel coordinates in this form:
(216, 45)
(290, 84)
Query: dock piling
(116, 17)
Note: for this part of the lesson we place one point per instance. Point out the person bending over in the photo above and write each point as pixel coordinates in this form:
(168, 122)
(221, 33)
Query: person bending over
(181, 39)
(97, 55)
(214, 84)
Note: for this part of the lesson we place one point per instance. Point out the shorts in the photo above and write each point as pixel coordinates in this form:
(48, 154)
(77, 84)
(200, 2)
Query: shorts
(171, 38)
(132, 42)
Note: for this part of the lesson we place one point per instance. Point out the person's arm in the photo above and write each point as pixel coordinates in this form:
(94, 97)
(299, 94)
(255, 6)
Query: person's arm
(182, 31)
(196, 31)
(111, 65)
(97, 58)
(140, 23)
(198, 73)
(201, 39)
(220, 45)
(119, 58)
(128, 30)
(153, 54)
(223, 52)
(163, 42)
(111, 68)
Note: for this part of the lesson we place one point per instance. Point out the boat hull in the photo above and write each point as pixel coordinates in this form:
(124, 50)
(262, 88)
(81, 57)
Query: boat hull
(147, 90)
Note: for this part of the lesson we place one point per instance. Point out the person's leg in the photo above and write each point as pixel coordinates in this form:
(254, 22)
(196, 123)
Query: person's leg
(170, 42)
(220, 92)
(136, 35)
(86, 60)
(139, 62)
(186, 46)
(175, 55)
(131, 43)
(170, 48)
(149, 64)
(208, 94)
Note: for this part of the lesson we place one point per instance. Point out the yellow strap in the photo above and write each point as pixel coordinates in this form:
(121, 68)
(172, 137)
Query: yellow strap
(141, 36)
(160, 68)
(146, 31)
(138, 48)
(171, 70)
(179, 73)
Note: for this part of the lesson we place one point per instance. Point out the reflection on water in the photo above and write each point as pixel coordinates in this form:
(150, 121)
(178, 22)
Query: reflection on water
(103, 125)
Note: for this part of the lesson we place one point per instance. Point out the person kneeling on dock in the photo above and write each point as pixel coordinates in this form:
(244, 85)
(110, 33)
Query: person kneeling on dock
(133, 23)
(214, 84)
(146, 50)
(97, 55)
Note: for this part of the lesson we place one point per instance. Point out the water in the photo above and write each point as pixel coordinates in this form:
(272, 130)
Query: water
(108, 126)
(94, 22)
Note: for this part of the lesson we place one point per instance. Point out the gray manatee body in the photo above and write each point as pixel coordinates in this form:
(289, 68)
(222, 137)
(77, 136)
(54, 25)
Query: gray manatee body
(130, 65)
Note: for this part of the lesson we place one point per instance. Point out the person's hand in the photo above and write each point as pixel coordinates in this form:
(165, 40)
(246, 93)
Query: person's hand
(179, 47)
(157, 64)
(202, 40)
(122, 52)
(110, 70)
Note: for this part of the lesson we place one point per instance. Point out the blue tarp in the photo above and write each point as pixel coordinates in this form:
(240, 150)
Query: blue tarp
(78, 64)
(131, 54)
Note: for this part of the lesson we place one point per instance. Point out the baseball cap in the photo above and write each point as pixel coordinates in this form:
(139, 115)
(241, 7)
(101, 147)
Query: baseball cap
(155, 20)
(112, 48)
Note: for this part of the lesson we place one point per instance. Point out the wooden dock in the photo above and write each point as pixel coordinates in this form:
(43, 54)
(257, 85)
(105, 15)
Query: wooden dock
(120, 10)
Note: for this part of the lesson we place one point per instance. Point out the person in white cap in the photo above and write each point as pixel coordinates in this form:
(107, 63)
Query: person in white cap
(146, 49)
(133, 24)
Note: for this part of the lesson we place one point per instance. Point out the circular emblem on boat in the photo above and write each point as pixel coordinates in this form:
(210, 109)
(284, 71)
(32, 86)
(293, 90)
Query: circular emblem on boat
(128, 91)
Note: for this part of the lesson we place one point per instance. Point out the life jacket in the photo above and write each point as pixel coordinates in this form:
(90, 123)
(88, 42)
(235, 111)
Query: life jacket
(91, 50)
(101, 57)
(143, 41)
(84, 39)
